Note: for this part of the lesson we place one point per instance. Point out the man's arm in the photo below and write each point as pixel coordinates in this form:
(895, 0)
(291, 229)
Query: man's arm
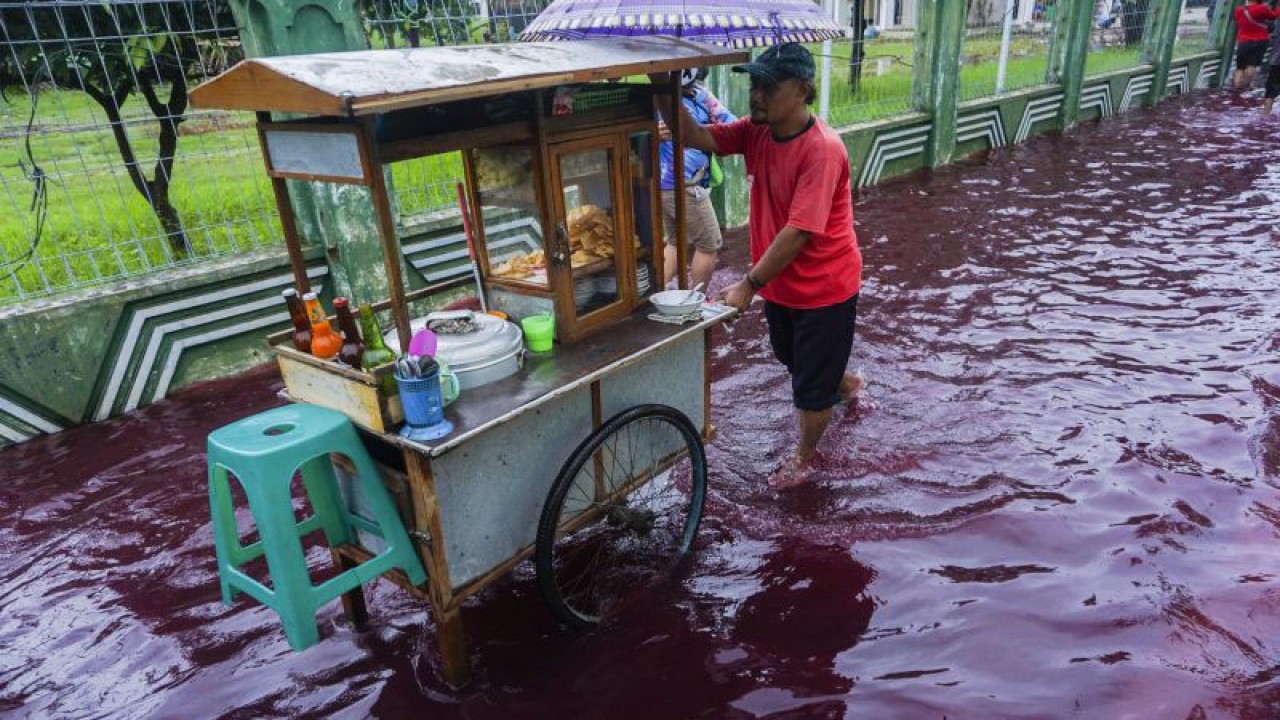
(691, 131)
(786, 246)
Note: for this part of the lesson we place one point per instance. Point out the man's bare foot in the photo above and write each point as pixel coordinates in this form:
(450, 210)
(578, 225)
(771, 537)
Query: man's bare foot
(850, 385)
(791, 473)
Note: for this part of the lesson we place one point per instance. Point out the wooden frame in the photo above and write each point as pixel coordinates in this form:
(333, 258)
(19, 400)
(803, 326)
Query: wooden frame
(266, 129)
(570, 325)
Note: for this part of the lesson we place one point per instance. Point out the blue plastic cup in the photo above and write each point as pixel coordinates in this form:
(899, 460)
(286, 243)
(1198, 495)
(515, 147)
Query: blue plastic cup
(422, 400)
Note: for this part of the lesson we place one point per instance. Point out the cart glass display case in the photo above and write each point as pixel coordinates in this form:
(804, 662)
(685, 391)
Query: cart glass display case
(592, 228)
(572, 227)
(506, 190)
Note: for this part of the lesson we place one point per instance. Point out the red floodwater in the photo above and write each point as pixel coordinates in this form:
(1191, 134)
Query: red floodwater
(1061, 499)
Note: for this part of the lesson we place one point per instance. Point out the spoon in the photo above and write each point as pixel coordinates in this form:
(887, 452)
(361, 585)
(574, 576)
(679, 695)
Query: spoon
(692, 292)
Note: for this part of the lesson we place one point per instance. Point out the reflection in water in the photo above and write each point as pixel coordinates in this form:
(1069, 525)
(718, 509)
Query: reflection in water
(1060, 498)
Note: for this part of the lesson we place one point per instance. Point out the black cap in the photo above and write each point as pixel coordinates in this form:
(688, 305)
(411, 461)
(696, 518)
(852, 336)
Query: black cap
(780, 62)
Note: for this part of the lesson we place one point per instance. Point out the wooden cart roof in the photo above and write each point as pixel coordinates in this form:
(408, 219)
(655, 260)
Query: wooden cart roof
(377, 81)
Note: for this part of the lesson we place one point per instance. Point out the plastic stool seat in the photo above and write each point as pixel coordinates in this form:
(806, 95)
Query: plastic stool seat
(263, 452)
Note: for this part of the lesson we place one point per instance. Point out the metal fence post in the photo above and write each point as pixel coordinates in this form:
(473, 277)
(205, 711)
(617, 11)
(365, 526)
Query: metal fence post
(1006, 36)
(1067, 58)
(824, 96)
(1224, 36)
(936, 83)
(1161, 41)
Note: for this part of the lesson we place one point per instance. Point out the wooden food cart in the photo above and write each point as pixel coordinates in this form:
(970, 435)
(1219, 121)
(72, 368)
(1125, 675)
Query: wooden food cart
(589, 459)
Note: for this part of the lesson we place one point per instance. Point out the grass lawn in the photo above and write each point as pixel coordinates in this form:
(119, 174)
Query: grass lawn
(888, 68)
(99, 226)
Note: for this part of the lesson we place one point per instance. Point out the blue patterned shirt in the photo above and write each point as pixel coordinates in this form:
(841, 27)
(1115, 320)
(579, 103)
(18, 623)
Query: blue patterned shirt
(707, 110)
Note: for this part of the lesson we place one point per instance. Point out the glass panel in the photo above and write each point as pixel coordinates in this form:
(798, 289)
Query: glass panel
(647, 236)
(591, 221)
(509, 213)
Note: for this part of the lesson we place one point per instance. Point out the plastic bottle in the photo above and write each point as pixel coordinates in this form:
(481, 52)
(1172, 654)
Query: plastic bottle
(325, 343)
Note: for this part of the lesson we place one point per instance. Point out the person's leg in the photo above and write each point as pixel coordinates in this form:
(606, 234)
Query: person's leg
(850, 385)
(813, 425)
(704, 235)
(1272, 89)
(822, 340)
(669, 237)
(704, 263)
(668, 264)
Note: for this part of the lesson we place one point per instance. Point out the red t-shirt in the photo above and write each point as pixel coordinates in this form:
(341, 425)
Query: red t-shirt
(1256, 29)
(802, 182)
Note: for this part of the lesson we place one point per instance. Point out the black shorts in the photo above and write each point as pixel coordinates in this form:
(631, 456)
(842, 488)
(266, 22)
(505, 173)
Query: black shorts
(815, 346)
(1273, 82)
(1250, 54)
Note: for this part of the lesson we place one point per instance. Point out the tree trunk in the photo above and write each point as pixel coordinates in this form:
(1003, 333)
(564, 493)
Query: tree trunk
(169, 115)
(156, 192)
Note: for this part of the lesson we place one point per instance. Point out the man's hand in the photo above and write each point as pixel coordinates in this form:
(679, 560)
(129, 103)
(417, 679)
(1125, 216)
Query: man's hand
(738, 295)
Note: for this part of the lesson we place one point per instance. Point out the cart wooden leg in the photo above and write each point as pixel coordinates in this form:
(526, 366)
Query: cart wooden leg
(450, 638)
(353, 604)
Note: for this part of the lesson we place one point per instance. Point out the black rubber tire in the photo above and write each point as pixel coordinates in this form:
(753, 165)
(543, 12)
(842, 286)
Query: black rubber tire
(574, 612)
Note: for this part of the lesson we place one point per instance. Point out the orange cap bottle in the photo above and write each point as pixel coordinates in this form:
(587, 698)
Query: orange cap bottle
(325, 343)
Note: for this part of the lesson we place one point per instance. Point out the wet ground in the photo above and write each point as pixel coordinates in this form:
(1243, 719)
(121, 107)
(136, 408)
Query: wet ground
(1061, 498)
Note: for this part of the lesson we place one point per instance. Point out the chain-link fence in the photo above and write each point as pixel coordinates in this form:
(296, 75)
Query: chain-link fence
(1193, 28)
(1118, 38)
(1006, 47)
(106, 171)
(870, 76)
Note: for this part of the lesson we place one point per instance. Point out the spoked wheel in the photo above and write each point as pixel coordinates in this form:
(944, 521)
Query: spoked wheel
(621, 514)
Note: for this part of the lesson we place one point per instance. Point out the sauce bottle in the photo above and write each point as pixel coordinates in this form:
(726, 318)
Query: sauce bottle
(352, 349)
(298, 316)
(325, 343)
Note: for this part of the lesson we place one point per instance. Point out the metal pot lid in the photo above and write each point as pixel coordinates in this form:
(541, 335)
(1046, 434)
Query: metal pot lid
(492, 339)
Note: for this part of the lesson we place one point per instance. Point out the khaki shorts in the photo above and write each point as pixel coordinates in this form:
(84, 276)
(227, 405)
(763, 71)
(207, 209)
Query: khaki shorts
(702, 225)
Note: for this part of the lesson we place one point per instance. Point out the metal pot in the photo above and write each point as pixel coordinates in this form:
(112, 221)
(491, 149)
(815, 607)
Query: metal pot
(495, 349)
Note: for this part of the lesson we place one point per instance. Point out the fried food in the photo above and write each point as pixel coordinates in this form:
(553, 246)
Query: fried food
(591, 231)
(518, 267)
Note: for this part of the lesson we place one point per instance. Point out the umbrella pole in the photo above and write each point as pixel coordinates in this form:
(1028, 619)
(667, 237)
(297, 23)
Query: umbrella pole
(674, 119)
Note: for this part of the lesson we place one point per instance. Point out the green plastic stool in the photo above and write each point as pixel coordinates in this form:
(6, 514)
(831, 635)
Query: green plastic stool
(263, 451)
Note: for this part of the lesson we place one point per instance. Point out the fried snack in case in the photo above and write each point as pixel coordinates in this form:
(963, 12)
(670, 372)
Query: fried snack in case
(590, 234)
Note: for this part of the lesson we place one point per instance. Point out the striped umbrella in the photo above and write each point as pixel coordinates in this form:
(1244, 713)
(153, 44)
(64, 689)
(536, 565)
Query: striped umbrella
(734, 23)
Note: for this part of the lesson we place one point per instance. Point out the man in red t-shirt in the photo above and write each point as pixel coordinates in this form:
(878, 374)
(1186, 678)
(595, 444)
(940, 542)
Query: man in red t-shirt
(805, 259)
(1253, 30)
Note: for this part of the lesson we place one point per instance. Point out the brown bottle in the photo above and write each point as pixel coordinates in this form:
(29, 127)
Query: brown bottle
(352, 351)
(298, 316)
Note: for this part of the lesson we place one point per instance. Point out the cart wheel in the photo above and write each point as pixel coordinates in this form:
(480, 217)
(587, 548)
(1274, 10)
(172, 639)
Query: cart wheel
(623, 510)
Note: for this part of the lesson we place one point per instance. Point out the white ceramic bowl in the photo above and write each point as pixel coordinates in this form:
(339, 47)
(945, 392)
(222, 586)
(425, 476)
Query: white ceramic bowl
(669, 302)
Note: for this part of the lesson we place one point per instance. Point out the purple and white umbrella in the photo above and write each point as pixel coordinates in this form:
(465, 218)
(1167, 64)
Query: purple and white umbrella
(734, 23)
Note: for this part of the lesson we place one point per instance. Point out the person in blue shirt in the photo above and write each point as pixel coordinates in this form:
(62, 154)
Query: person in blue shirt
(702, 226)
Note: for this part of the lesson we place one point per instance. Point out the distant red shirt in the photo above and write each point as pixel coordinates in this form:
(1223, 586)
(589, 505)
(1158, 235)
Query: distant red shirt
(802, 182)
(1251, 22)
